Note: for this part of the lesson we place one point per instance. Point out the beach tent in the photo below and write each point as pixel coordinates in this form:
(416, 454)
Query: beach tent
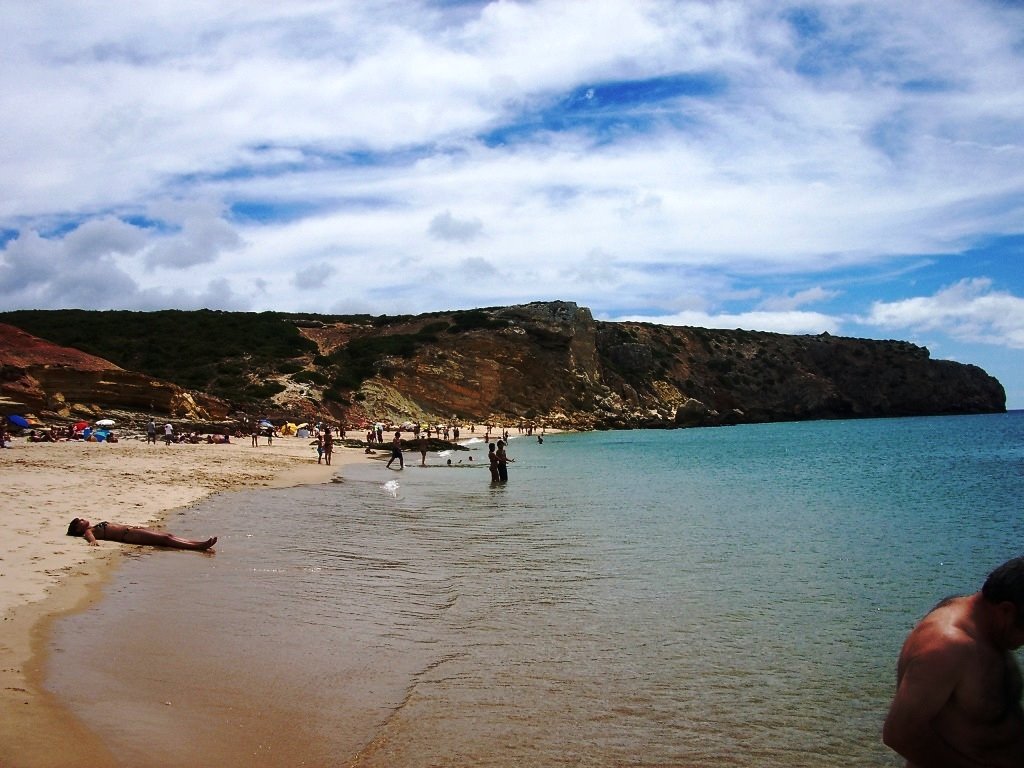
(80, 425)
(18, 421)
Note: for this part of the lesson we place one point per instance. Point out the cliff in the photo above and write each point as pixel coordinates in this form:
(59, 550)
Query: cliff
(545, 361)
(554, 361)
(39, 376)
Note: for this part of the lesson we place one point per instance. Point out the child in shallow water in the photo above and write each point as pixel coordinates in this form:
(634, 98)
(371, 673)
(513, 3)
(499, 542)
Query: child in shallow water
(130, 534)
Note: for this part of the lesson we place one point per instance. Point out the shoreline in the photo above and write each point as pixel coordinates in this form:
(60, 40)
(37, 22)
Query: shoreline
(45, 574)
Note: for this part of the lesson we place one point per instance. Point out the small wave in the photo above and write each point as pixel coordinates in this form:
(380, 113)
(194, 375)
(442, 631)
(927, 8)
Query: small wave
(391, 486)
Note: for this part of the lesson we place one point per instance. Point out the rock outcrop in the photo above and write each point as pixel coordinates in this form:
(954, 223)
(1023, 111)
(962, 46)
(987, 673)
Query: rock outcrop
(554, 361)
(546, 361)
(36, 375)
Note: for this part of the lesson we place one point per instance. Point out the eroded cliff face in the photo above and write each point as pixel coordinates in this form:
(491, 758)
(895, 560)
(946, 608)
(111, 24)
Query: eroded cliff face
(549, 361)
(36, 375)
(530, 366)
(742, 376)
(554, 361)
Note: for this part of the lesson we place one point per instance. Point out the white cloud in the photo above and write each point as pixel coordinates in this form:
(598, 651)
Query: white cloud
(798, 299)
(778, 322)
(444, 226)
(969, 310)
(80, 269)
(313, 276)
(199, 242)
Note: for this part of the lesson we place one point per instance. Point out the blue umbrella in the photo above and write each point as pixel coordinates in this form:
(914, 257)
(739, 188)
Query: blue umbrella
(18, 421)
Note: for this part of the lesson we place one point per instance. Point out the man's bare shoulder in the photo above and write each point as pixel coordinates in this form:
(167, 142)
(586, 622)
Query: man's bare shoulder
(946, 631)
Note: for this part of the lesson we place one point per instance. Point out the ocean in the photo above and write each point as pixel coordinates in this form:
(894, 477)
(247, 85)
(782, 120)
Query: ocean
(706, 597)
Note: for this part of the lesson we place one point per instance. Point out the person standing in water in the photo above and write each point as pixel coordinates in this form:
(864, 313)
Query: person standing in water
(492, 457)
(396, 451)
(503, 461)
(958, 684)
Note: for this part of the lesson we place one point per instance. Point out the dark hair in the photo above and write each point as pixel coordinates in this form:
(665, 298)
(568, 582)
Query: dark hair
(71, 528)
(1006, 584)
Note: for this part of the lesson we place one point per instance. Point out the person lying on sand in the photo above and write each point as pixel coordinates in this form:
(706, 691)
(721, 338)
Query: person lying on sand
(130, 534)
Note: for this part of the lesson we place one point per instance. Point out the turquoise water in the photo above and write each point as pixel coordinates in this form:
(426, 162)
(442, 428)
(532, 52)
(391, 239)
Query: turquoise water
(726, 597)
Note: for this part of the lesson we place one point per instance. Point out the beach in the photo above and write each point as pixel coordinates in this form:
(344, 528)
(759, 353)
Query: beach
(44, 573)
(658, 598)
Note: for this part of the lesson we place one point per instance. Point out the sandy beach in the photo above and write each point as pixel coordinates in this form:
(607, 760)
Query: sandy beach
(44, 573)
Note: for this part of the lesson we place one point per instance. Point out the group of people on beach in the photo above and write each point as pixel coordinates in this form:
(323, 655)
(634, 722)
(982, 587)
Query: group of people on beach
(958, 682)
(193, 437)
(497, 458)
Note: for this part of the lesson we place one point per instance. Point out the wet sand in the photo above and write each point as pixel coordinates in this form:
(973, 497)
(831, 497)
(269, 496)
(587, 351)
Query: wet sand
(45, 574)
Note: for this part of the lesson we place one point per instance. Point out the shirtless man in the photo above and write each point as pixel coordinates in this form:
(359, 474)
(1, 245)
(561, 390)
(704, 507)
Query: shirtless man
(130, 534)
(396, 451)
(958, 697)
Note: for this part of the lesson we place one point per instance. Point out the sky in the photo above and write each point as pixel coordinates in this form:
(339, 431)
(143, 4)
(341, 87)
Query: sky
(836, 166)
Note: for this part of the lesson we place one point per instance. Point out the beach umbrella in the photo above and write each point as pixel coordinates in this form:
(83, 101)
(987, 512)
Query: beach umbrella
(18, 421)
(80, 425)
(105, 423)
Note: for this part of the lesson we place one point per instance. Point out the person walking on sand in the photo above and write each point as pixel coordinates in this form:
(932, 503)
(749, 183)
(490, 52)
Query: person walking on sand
(130, 534)
(319, 449)
(396, 451)
(503, 460)
(958, 683)
(328, 446)
(168, 433)
(151, 432)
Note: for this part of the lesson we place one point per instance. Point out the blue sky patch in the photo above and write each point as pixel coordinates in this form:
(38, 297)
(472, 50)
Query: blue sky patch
(614, 109)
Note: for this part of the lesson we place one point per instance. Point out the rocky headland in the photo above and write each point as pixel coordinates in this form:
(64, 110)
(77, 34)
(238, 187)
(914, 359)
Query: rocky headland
(546, 362)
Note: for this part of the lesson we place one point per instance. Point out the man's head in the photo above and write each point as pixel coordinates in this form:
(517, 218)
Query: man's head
(1006, 585)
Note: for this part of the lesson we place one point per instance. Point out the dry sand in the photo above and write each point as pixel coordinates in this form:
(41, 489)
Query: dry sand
(45, 573)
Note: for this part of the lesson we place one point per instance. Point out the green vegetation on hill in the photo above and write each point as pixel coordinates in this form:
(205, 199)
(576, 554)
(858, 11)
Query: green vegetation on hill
(217, 352)
(233, 354)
